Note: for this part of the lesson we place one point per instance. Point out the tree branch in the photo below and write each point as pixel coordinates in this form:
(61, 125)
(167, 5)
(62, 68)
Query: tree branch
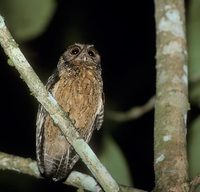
(76, 179)
(133, 113)
(171, 98)
(59, 117)
(29, 167)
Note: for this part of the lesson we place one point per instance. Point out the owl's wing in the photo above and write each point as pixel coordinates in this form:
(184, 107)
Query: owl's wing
(41, 115)
(41, 111)
(99, 116)
(52, 80)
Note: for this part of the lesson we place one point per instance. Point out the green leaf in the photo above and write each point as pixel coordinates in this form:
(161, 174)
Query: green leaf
(194, 148)
(27, 19)
(115, 162)
(193, 31)
(195, 93)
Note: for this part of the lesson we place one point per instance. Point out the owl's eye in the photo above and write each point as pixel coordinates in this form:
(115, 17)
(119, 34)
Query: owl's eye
(75, 51)
(91, 53)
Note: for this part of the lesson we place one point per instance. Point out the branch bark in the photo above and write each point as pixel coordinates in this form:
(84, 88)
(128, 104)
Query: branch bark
(76, 179)
(29, 167)
(59, 117)
(171, 98)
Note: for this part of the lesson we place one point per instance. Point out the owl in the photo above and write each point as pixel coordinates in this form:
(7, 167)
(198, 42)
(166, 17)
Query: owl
(78, 88)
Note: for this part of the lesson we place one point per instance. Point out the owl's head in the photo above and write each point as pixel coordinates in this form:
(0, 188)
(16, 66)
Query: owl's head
(81, 54)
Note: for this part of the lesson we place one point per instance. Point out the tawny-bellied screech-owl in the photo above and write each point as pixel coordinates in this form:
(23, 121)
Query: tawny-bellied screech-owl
(77, 86)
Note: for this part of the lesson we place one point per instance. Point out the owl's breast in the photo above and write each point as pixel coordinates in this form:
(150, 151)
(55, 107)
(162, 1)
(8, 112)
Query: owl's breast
(80, 96)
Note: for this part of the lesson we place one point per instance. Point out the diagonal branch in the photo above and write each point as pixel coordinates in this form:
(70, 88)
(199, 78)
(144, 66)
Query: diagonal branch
(59, 117)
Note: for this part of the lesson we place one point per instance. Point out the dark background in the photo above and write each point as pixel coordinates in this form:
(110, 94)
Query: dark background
(124, 34)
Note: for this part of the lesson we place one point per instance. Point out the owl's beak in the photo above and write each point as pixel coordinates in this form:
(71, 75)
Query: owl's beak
(84, 58)
(83, 55)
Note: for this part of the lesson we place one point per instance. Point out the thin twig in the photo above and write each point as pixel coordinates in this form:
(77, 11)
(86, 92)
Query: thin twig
(59, 117)
(133, 113)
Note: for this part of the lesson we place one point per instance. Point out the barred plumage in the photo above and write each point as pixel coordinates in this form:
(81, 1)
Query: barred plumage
(77, 86)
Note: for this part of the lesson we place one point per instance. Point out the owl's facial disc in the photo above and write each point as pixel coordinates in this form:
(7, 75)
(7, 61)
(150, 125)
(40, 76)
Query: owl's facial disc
(81, 54)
